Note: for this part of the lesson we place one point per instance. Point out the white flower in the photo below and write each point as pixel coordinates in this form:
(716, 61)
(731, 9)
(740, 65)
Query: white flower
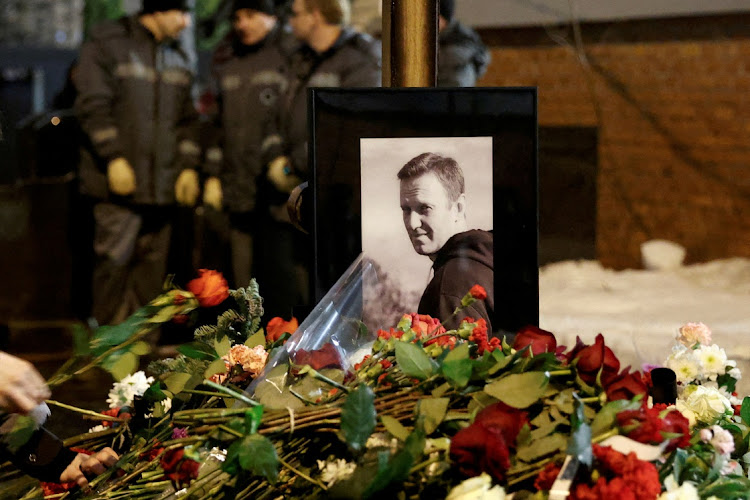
(692, 333)
(477, 488)
(684, 363)
(381, 440)
(685, 491)
(721, 440)
(703, 404)
(714, 360)
(125, 390)
(98, 428)
(735, 372)
(335, 470)
(39, 414)
(732, 467)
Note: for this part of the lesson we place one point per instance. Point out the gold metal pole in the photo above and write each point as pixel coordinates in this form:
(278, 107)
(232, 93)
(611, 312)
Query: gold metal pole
(410, 31)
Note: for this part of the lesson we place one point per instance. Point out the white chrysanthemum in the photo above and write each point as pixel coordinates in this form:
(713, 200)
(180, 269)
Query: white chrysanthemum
(477, 488)
(335, 470)
(125, 390)
(685, 365)
(714, 360)
(685, 491)
(735, 373)
(381, 440)
(98, 428)
(703, 404)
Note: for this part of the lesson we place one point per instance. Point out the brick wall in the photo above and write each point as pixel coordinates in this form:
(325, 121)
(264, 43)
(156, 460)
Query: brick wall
(671, 101)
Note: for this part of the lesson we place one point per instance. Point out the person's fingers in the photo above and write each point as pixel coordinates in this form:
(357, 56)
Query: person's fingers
(92, 466)
(107, 456)
(21, 401)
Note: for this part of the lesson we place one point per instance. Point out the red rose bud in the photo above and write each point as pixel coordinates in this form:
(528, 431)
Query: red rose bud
(539, 340)
(210, 288)
(593, 359)
(179, 299)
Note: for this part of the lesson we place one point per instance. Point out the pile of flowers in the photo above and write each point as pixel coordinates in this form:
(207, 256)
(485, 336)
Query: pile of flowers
(416, 410)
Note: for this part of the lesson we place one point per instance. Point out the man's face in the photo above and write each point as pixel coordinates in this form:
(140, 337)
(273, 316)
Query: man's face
(172, 22)
(252, 26)
(302, 20)
(430, 217)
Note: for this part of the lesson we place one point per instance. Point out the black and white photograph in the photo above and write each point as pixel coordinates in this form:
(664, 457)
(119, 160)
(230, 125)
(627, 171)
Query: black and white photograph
(425, 202)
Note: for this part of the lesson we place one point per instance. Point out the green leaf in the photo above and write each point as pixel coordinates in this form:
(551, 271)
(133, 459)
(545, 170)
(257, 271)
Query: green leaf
(358, 417)
(605, 419)
(542, 447)
(177, 381)
(413, 361)
(222, 346)
(745, 410)
(460, 352)
(120, 364)
(253, 418)
(457, 372)
(198, 350)
(80, 340)
(140, 348)
(395, 427)
(21, 431)
(519, 390)
(432, 412)
(216, 366)
(258, 338)
(256, 454)
(398, 468)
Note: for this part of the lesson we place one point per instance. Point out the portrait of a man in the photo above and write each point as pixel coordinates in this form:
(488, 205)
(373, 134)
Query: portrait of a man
(427, 224)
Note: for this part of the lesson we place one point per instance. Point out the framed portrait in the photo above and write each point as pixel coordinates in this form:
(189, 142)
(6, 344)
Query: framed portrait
(373, 154)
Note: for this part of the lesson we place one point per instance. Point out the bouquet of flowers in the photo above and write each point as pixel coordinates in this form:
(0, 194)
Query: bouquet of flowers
(332, 410)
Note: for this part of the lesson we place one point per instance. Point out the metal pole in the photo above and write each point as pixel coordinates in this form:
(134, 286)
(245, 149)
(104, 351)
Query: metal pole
(410, 31)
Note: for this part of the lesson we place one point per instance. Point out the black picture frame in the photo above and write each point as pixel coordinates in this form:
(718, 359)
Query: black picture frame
(341, 118)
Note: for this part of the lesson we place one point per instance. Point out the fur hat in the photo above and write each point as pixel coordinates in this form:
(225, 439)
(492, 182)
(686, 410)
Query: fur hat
(265, 6)
(447, 9)
(151, 6)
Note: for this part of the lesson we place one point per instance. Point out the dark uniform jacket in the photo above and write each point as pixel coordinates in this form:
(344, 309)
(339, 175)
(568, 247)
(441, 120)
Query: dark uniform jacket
(250, 85)
(462, 57)
(466, 259)
(134, 100)
(354, 60)
(43, 456)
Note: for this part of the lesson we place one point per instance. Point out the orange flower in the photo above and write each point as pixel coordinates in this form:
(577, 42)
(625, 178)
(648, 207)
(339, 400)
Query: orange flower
(210, 288)
(478, 292)
(278, 327)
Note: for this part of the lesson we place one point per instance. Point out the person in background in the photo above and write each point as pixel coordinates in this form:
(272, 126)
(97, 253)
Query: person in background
(462, 57)
(250, 81)
(43, 456)
(329, 54)
(135, 107)
(433, 206)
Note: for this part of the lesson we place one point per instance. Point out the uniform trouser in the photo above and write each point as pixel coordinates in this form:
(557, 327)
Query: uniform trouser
(131, 248)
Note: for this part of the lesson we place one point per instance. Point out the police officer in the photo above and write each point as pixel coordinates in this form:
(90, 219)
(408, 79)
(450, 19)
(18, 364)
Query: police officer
(250, 80)
(134, 104)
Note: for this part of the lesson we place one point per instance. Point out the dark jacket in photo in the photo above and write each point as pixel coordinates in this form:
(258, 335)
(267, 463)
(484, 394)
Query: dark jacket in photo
(466, 259)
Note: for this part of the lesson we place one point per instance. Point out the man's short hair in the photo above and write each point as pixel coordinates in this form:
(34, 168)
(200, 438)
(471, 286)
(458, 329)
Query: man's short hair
(333, 11)
(445, 168)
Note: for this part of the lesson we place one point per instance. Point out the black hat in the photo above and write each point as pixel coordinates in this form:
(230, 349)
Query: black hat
(265, 6)
(447, 9)
(150, 6)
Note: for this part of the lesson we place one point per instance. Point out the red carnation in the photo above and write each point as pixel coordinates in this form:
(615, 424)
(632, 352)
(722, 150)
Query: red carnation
(478, 292)
(539, 340)
(210, 288)
(546, 478)
(178, 468)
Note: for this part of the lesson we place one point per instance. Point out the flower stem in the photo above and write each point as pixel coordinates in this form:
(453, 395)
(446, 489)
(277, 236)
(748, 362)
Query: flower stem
(601, 437)
(234, 394)
(558, 372)
(97, 415)
(302, 474)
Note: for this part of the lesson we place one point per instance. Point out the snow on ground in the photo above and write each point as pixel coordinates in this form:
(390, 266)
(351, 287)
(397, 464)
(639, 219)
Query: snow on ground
(640, 311)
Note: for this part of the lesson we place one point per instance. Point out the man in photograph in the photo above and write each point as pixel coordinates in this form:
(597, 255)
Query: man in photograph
(433, 206)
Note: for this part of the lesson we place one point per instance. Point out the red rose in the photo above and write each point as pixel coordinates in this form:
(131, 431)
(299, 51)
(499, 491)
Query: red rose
(171, 459)
(478, 292)
(210, 288)
(178, 468)
(484, 445)
(326, 356)
(591, 360)
(626, 386)
(476, 449)
(278, 327)
(539, 340)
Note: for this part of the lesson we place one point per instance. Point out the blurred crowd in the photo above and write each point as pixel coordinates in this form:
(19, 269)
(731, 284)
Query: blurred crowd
(165, 165)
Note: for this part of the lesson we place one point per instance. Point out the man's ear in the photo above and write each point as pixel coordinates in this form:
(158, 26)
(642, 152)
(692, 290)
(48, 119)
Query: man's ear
(460, 206)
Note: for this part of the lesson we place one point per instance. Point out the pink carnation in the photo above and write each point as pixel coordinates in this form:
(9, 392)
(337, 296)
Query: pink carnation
(252, 361)
(692, 333)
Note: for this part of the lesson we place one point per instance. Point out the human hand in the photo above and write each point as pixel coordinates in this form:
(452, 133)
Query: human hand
(186, 188)
(121, 177)
(212, 194)
(84, 465)
(22, 388)
(278, 174)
